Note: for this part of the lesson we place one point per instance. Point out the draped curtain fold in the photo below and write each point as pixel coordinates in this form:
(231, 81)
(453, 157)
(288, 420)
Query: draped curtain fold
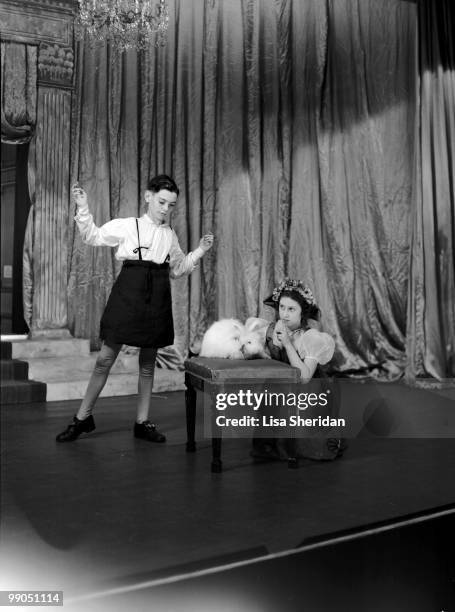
(290, 129)
(18, 92)
(364, 135)
(431, 317)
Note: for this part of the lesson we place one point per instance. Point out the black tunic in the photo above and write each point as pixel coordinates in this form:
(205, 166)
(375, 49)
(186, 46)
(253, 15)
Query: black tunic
(139, 309)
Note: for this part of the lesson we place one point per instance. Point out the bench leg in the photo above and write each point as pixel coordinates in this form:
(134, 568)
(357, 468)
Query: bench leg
(190, 403)
(293, 462)
(217, 464)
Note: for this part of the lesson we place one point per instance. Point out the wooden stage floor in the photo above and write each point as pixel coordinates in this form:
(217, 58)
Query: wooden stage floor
(108, 511)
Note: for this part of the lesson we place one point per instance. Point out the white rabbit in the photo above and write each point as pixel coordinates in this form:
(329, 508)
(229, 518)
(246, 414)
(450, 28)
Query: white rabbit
(223, 339)
(253, 339)
(230, 339)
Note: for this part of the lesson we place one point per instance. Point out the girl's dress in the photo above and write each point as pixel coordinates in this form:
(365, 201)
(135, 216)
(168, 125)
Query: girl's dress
(308, 343)
(317, 345)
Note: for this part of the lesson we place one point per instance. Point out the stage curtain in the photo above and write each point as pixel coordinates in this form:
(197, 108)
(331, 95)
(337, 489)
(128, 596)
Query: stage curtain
(18, 92)
(104, 160)
(431, 322)
(290, 128)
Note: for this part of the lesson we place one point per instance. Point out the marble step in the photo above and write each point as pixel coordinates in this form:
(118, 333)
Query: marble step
(67, 378)
(43, 348)
(74, 367)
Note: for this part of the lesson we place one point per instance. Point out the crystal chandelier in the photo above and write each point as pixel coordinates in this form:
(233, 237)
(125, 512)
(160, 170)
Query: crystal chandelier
(125, 24)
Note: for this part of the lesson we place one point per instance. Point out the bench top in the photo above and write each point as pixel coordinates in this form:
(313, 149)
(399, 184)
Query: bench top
(227, 370)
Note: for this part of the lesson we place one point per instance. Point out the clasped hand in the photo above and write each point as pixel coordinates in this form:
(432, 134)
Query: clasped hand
(282, 334)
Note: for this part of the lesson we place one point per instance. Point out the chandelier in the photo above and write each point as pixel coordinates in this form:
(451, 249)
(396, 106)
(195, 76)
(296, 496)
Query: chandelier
(125, 24)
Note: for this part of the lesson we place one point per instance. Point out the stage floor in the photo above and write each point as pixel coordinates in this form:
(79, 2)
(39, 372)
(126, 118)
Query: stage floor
(108, 510)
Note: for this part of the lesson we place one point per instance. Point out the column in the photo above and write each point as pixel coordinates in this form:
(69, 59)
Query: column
(50, 244)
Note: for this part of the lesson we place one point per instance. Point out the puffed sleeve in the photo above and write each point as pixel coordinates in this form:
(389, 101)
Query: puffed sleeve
(180, 263)
(109, 234)
(316, 345)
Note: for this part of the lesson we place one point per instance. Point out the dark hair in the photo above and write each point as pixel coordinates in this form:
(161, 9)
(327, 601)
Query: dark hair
(309, 311)
(162, 181)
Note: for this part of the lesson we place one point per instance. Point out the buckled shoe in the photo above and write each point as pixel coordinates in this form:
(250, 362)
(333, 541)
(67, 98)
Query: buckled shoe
(76, 428)
(148, 431)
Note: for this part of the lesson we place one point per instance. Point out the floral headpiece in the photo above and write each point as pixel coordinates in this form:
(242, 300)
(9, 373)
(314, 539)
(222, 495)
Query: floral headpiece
(289, 284)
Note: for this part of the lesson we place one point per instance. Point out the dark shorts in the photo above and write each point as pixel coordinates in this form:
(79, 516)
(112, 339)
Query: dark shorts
(139, 309)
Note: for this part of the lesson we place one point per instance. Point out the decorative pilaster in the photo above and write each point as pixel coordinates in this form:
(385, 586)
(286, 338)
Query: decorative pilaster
(51, 210)
(55, 78)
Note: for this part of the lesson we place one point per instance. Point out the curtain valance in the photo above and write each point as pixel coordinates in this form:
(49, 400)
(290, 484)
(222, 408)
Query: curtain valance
(18, 91)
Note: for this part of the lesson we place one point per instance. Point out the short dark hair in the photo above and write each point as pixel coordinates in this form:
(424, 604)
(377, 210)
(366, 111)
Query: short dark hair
(309, 311)
(162, 181)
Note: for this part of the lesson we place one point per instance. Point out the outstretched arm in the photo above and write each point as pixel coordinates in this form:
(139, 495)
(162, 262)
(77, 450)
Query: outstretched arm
(108, 234)
(184, 264)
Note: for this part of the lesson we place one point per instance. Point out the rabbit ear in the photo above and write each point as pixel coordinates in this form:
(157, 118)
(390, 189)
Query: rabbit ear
(255, 324)
(238, 325)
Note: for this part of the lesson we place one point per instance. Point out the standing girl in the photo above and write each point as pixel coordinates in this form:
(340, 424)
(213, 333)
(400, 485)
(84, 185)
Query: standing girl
(139, 309)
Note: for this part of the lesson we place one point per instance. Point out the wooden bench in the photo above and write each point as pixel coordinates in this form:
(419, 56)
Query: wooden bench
(214, 376)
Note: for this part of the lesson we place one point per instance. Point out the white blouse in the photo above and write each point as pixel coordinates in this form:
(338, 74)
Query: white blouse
(159, 241)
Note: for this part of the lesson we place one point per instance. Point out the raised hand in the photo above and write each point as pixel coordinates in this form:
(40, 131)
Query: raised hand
(206, 242)
(79, 196)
